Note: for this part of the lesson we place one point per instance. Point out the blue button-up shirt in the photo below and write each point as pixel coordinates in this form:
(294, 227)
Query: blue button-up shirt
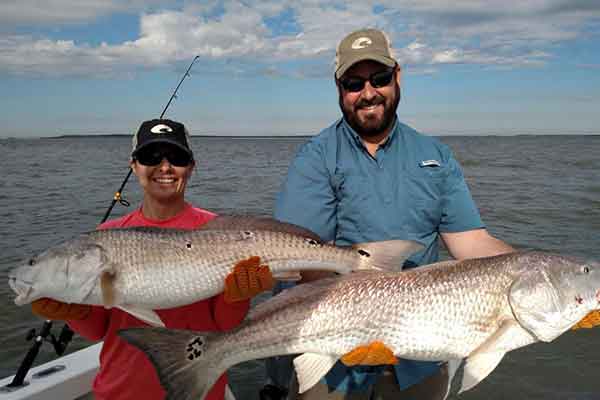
(412, 189)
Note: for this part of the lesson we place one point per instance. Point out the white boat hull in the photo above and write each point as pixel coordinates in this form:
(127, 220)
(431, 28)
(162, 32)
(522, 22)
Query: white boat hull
(71, 382)
(72, 379)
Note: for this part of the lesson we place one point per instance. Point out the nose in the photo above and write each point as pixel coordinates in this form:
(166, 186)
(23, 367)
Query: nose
(164, 165)
(368, 92)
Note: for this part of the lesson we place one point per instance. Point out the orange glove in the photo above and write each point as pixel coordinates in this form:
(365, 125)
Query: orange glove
(57, 310)
(248, 279)
(589, 321)
(375, 353)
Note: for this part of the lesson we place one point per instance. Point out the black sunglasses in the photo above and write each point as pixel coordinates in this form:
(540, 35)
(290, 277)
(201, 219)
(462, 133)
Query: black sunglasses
(377, 80)
(153, 155)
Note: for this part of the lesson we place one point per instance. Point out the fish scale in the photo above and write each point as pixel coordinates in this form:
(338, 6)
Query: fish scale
(472, 310)
(181, 267)
(143, 269)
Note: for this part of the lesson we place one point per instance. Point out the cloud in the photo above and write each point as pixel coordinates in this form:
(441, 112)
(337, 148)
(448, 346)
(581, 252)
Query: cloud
(425, 33)
(23, 12)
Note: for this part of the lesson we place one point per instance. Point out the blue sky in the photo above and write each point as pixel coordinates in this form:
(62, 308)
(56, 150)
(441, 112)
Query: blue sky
(265, 67)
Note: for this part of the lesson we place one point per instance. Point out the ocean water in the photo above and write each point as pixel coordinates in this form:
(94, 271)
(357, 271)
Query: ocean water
(535, 192)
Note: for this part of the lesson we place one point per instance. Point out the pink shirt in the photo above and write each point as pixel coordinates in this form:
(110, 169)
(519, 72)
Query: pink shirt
(125, 372)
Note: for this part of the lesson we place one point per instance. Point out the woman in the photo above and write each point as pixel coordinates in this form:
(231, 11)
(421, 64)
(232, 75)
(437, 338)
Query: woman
(163, 162)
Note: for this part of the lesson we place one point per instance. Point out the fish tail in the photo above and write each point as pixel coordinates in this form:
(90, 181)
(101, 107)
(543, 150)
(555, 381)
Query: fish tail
(181, 358)
(388, 255)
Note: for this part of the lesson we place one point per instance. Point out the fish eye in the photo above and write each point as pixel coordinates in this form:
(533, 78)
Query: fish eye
(586, 270)
(31, 262)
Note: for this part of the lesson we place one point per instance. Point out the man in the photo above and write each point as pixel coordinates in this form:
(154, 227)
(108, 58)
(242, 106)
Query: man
(368, 177)
(163, 162)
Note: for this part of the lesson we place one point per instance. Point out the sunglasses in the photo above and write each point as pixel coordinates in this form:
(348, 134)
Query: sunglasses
(377, 80)
(153, 156)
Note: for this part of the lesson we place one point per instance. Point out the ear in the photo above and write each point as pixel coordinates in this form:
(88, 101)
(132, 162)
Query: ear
(133, 165)
(338, 86)
(398, 75)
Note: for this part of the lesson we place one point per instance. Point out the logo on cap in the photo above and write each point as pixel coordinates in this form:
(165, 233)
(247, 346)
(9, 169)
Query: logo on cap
(161, 128)
(361, 43)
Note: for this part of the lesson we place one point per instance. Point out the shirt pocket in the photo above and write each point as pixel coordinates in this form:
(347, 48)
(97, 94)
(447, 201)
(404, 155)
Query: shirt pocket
(357, 204)
(423, 198)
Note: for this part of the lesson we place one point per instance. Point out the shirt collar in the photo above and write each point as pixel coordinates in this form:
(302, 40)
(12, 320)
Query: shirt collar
(359, 141)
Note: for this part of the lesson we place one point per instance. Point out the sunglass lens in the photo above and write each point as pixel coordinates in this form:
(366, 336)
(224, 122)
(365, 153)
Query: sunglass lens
(381, 79)
(149, 157)
(178, 158)
(353, 84)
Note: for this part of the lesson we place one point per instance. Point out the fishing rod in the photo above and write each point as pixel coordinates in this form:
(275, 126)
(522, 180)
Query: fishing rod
(118, 197)
(66, 334)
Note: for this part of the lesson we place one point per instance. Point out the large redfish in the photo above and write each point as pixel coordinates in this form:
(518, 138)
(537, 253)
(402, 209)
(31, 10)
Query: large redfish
(142, 269)
(469, 313)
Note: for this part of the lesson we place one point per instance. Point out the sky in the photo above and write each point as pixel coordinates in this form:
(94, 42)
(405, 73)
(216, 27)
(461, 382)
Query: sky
(266, 67)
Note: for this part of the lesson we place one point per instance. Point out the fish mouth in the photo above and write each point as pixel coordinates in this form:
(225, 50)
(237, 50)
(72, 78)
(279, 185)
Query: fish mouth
(22, 288)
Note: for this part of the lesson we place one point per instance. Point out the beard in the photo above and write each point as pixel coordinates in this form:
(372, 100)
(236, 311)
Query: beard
(372, 127)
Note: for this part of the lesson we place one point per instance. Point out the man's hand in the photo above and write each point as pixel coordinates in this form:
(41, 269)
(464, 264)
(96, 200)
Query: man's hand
(248, 279)
(589, 321)
(56, 310)
(375, 353)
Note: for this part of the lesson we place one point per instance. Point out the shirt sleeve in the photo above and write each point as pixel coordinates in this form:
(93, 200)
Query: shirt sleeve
(95, 326)
(228, 315)
(459, 212)
(307, 198)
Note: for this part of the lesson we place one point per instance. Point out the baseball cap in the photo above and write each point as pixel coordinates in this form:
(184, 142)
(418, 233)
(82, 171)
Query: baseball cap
(161, 131)
(364, 44)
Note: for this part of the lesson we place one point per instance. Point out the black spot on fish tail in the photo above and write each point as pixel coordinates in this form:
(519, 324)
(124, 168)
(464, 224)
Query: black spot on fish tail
(195, 348)
(180, 359)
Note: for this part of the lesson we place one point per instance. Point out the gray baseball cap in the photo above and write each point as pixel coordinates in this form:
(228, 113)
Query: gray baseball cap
(365, 44)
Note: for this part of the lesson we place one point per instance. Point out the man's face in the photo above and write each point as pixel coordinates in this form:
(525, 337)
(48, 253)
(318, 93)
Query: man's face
(370, 111)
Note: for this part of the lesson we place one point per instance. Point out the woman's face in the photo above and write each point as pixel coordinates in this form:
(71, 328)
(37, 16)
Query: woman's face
(162, 181)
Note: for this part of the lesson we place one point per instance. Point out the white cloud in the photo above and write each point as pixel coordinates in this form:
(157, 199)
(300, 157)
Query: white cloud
(21, 12)
(424, 32)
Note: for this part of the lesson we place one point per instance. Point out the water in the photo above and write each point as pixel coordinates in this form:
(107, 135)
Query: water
(539, 192)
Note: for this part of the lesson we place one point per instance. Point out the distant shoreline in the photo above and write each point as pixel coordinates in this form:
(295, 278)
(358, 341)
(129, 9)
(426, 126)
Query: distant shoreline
(193, 136)
(123, 135)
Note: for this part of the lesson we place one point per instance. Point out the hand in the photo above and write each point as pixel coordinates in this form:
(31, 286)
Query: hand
(57, 310)
(248, 279)
(589, 321)
(375, 353)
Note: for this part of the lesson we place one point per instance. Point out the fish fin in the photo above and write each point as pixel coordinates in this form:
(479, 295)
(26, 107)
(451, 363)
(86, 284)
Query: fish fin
(143, 314)
(107, 287)
(287, 276)
(181, 359)
(477, 367)
(247, 222)
(455, 374)
(482, 361)
(310, 368)
(388, 255)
